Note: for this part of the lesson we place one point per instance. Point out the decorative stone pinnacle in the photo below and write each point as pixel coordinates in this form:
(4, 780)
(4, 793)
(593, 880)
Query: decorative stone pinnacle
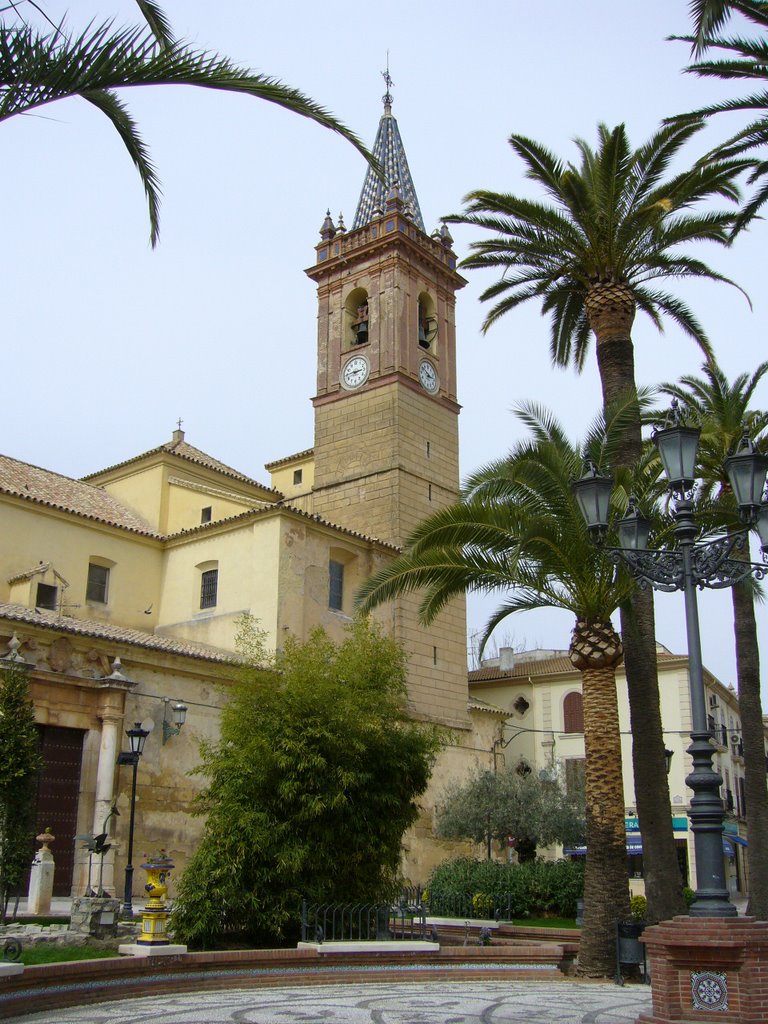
(46, 838)
(13, 651)
(327, 229)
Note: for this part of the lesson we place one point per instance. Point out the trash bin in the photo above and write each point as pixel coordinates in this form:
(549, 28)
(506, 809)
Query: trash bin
(579, 913)
(629, 948)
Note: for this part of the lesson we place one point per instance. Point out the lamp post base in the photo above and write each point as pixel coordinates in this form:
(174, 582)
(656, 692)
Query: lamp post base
(702, 968)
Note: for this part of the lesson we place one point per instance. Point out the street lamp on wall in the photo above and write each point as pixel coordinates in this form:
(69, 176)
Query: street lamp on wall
(137, 737)
(688, 564)
(178, 715)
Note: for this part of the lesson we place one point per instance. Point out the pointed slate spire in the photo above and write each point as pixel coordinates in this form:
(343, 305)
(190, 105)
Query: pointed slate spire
(389, 151)
(327, 229)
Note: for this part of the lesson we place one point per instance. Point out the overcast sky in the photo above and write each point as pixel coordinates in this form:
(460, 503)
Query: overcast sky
(107, 342)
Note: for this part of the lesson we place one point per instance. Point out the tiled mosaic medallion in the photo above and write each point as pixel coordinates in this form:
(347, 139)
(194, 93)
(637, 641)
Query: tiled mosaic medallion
(709, 990)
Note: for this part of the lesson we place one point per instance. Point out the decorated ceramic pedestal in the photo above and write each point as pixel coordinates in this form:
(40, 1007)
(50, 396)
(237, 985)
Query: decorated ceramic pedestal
(708, 969)
(154, 917)
(153, 940)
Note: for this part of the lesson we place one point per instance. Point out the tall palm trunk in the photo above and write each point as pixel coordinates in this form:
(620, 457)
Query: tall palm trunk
(596, 651)
(611, 311)
(750, 707)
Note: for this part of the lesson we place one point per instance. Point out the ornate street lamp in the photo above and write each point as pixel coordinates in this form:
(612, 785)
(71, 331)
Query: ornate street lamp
(687, 565)
(179, 716)
(137, 737)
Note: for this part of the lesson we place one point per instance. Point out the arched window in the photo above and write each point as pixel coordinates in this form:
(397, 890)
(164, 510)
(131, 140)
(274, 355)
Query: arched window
(356, 317)
(208, 583)
(427, 322)
(573, 713)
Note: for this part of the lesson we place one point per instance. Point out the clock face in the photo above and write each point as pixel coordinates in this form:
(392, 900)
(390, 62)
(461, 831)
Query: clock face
(355, 372)
(428, 377)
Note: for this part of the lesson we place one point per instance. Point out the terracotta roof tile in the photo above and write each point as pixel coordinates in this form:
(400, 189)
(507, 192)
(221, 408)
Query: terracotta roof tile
(120, 634)
(289, 458)
(473, 704)
(522, 669)
(182, 450)
(255, 513)
(56, 491)
(533, 667)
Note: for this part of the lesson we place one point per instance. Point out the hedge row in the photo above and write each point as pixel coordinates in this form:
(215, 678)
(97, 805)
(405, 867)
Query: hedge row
(531, 889)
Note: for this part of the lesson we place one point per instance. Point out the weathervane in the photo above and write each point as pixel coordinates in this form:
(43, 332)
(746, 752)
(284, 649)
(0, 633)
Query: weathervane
(387, 97)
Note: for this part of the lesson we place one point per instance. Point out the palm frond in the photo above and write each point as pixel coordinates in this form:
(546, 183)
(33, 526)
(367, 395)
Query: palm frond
(517, 531)
(37, 68)
(617, 215)
(108, 103)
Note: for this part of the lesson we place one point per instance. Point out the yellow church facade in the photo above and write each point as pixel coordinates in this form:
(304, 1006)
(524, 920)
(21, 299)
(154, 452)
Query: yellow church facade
(122, 592)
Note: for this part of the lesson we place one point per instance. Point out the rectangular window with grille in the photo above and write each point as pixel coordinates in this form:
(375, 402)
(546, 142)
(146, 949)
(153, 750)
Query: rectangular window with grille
(336, 585)
(209, 585)
(98, 583)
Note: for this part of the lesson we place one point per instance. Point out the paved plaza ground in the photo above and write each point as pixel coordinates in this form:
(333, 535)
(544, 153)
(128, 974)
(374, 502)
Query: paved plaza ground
(438, 1002)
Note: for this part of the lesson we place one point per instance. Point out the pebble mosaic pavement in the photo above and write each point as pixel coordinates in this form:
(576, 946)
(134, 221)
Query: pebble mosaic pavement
(438, 1002)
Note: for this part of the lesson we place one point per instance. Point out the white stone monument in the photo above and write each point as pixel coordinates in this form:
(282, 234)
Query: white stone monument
(41, 877)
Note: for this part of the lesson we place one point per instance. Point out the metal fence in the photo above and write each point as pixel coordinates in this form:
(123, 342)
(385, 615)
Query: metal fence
(362, 922)
(466, 905)
(404, 919)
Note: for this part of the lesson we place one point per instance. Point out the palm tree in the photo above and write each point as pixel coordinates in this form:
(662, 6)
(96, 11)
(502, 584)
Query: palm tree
(517, 529)
(722, 410)
(41, 66)
(746, 59)
(615, 223)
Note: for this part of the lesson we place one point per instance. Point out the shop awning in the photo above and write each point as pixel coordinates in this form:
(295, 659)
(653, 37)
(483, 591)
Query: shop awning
(635, 846)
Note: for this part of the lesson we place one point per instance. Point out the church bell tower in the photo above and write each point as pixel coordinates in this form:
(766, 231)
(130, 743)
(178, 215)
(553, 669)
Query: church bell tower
(386, 414)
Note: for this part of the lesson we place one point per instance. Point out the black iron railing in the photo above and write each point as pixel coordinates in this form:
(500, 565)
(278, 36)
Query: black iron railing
(362, 922)
(406, 918)
(470, 906)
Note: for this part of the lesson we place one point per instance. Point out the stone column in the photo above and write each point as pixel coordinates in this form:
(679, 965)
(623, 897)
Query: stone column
(111, 712)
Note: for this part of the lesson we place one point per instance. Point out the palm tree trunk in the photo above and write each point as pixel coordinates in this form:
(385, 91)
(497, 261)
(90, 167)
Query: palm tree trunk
(611, 314)
(661, 868)
(606, 884)
(750, 707)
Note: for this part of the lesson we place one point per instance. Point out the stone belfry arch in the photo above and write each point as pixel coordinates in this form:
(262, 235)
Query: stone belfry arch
(386, 413)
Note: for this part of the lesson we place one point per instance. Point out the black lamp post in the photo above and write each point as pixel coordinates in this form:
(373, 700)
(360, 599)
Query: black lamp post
(137, 737)
(686, 566)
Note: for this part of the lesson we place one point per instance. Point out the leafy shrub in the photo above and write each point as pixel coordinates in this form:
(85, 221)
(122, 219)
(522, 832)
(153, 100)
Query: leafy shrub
(482, 904)
(688, 895)
(312, 784)
(638, 905)
(464, 886)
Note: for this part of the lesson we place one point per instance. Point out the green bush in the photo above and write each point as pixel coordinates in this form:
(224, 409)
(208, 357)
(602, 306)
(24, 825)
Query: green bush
(638, 905)
(532, 889)
(688, 895)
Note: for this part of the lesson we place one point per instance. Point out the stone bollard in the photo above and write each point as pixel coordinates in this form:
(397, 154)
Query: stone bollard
(41, 877)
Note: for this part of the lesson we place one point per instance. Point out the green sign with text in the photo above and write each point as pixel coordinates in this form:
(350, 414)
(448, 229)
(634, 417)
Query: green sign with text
(678, 824)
